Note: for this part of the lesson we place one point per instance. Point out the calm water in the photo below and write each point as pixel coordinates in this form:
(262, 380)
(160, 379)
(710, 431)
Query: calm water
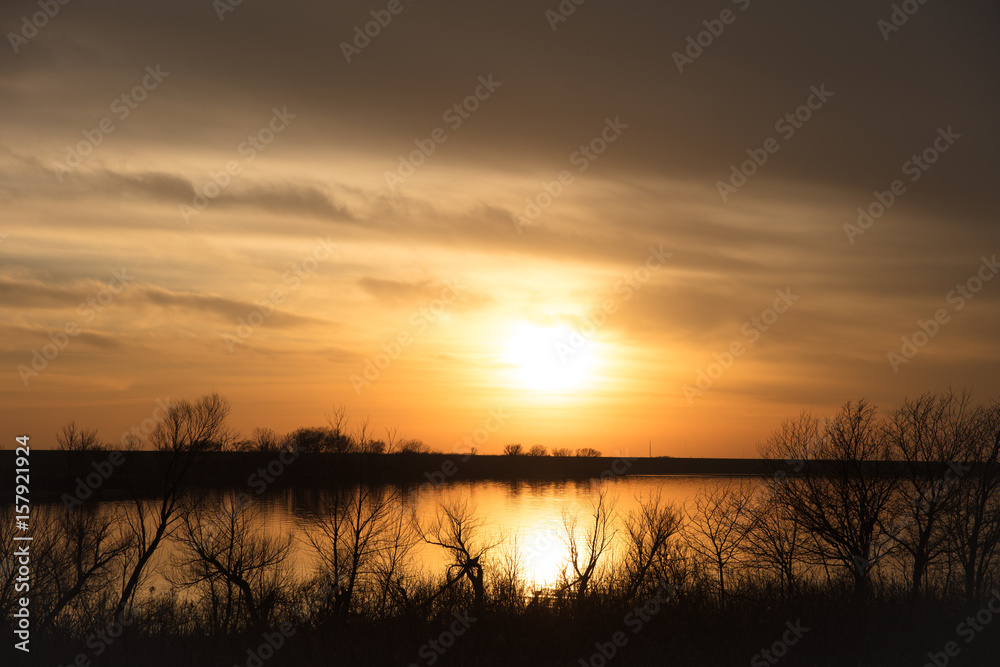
(526, 518)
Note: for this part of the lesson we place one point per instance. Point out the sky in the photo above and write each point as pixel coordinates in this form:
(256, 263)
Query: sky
(632, 226)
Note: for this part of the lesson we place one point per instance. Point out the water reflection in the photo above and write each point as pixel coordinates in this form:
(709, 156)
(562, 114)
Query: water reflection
(529, 520)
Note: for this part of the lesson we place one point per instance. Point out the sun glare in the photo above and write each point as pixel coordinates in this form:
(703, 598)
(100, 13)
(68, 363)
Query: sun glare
(545, 557)
(554, 359)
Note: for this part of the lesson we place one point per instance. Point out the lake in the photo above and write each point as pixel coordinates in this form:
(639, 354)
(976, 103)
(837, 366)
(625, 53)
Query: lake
(526, 517)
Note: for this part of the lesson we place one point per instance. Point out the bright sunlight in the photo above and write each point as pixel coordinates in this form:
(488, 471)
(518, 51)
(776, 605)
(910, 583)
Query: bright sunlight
(551, 359)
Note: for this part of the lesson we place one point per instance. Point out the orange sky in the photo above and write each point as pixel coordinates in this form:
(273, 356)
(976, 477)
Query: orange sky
(194, 204)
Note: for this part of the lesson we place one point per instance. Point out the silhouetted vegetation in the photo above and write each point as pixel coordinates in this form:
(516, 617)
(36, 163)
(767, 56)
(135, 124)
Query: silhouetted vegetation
(890, 556)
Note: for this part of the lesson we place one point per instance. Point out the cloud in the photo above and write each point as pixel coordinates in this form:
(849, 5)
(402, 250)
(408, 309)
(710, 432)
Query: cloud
(37, 294)
(30, 294)
(401, 293)
(224, 308)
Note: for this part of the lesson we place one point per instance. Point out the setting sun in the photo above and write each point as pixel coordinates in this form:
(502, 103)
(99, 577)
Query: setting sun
(551, 359)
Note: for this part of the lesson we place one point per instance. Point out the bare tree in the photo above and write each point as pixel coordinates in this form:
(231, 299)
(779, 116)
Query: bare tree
(362, 540)
(562, 451)
(587, 545)
(188, 429)
(974, 521)
(775, 539)
(649, 528)
(8, 561)
(391, 439)
(260, 440)
(414, 446)
(588, 452)
(456, 529)
(265, 440)
(83, 548)
(930, 435)
(841, 496)
(315, 439)
(226, 550)
(364, 440)
(537, 450)
(129, 442)
(506, 583)
(719, 519)
(73, 439)
(338, 420)
(397, 540)
(194, 426)
(513, 450)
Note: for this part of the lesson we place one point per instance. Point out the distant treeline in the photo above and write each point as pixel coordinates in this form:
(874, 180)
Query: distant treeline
(204, 420)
